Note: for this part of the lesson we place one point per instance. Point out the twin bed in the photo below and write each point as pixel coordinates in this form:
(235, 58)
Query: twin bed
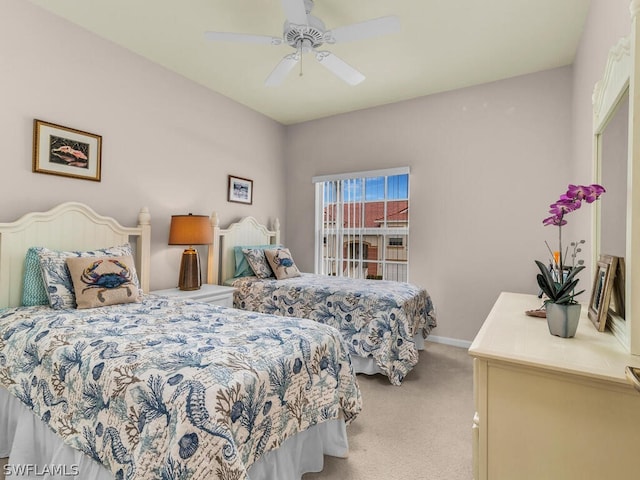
(160, 388)
(384, 323)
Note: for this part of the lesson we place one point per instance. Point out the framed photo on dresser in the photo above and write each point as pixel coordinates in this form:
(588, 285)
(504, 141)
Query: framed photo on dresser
(601, 291)
(617, 303)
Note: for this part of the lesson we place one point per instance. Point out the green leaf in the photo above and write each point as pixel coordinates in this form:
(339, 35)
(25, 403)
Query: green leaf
(568, 298)
(544, 286)
(546, 282)
(548, 279)
(574, 271)
(567, 287)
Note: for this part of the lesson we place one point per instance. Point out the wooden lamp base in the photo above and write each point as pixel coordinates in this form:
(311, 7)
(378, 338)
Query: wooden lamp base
(190, 270)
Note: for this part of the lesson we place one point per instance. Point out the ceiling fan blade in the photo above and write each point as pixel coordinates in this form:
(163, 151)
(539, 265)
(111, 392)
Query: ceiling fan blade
(367, 29)
(279, 73)
(242, 38)
(339, 67)
(295, 11)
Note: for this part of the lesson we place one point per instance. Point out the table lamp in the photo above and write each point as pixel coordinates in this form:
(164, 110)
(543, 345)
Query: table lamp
(190, 230)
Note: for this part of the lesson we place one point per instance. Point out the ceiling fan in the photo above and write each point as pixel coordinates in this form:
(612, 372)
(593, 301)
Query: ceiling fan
(305, 33)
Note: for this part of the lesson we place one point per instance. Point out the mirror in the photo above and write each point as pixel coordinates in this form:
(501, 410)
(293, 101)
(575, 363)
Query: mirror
(614, 153)
(611, 150)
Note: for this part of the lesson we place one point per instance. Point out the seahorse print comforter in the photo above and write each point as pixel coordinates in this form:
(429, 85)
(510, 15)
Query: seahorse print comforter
(377, 318)
(175, 389)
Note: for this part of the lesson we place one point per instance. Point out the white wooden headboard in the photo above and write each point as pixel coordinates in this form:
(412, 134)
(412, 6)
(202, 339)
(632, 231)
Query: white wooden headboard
(69, 226)
(248, 231)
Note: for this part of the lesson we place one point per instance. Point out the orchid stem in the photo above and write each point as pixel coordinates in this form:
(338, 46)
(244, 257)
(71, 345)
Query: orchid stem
(560, 268)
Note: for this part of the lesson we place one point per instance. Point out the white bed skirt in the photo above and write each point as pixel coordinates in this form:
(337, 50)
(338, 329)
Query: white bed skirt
(368, 366)
(27, 441)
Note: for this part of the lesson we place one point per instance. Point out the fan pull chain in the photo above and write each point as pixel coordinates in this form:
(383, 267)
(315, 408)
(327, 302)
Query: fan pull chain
(300, 50)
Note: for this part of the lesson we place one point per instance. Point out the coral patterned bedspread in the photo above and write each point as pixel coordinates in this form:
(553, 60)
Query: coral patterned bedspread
(175, 389)
(377, 318)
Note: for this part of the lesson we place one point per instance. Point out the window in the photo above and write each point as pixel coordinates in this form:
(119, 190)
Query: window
(362, 224)
(395, 241)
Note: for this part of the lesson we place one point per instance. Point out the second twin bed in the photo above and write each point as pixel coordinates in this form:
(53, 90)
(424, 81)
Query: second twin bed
(383, 322)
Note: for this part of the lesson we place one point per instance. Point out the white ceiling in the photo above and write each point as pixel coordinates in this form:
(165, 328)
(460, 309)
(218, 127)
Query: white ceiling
(442, 45)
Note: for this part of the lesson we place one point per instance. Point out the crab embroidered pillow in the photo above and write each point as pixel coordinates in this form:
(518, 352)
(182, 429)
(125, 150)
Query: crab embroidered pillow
(55, 273)
(282, 263)
(100, 281)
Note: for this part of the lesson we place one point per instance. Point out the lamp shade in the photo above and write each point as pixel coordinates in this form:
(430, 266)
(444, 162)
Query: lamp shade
(190, 230)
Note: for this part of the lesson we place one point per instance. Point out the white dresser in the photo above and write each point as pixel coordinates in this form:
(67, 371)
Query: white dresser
(218, 294)
(550, 408)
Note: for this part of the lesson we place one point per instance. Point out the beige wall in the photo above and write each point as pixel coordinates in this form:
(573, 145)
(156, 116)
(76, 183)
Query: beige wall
(168, 143)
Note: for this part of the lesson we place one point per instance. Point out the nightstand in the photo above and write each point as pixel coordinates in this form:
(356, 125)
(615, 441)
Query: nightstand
(217, 294)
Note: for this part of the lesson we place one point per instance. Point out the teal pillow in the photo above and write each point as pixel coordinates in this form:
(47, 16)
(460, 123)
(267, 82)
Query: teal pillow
(33, 291)
(243, 269)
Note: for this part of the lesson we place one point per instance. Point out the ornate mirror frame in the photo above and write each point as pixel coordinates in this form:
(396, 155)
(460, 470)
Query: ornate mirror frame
(622, 71)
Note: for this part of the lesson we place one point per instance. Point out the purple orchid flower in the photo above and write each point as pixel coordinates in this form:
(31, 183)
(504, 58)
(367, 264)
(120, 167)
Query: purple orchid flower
(588, 193)
(567, 203)
(554, 220)
(563, 206)
(594, 193)
(577, 192)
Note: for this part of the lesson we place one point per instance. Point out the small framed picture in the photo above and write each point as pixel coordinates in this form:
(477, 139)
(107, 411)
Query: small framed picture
(617, 305)
(601, 291)
(240, 190)
(65, 151)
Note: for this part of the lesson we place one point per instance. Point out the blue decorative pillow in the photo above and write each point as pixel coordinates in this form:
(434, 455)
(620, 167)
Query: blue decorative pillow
(33, 291)
(258, 262)
(56, 276)
(243, 269)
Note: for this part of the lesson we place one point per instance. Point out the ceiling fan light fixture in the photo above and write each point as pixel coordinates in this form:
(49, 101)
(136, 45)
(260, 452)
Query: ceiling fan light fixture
(314, 32)
(305, 33)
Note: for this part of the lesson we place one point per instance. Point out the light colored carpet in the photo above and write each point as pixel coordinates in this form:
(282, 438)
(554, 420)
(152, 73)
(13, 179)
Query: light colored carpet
(418, 431)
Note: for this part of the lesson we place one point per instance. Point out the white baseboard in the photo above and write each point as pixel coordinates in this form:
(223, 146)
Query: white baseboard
(449, 341)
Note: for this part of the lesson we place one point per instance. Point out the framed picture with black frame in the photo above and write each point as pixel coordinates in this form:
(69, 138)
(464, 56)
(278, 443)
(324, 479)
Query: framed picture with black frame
(240, 190)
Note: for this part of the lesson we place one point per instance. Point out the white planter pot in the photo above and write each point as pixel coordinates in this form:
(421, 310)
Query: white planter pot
(563, 319)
